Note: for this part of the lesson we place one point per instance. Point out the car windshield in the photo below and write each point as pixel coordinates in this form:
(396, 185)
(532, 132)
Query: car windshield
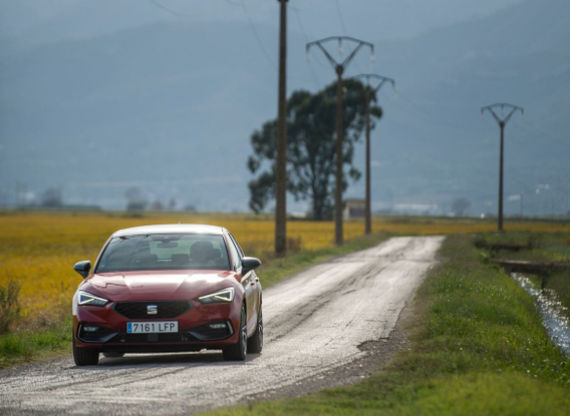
(164, 252)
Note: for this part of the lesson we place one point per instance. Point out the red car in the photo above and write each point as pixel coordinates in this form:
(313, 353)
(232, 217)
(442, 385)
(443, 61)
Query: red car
(168, 288)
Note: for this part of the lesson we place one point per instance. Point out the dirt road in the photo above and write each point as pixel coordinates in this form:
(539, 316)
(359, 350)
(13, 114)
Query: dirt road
(314, 322)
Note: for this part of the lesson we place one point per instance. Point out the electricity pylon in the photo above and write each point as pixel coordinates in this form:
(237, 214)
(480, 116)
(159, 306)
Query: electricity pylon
(339, 68)
(502, 122)
(370, 91)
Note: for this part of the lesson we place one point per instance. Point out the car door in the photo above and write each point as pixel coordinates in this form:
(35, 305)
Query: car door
(250, 286)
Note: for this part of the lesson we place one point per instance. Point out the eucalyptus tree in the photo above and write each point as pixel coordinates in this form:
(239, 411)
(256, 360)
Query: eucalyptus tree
(311, 152)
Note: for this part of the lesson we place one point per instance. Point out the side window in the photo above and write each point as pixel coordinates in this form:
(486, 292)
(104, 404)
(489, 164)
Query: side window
(237, 245)
(236, 259)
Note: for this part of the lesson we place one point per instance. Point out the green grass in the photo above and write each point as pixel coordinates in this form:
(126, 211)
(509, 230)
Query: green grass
(30, 345)
(478, 348)
(472, 394)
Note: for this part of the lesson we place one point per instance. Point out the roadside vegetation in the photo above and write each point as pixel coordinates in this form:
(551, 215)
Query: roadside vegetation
(478, 347)
(39, 336)
(38, 250)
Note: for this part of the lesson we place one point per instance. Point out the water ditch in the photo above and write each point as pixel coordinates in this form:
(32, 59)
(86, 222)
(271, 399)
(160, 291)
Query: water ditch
(554, 314)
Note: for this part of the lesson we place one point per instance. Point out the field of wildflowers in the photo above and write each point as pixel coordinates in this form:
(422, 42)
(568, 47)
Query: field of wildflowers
(38, 250)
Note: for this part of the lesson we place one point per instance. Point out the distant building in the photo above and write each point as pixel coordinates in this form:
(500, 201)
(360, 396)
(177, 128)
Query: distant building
(354, 208)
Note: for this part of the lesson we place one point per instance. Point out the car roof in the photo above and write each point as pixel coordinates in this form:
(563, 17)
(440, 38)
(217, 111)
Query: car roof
(171, 229)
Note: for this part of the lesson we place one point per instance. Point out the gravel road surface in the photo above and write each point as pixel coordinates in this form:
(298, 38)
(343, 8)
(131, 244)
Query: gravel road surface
(314, 323)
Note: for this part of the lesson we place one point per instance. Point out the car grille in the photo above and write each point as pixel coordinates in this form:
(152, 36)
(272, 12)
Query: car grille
(165, 309)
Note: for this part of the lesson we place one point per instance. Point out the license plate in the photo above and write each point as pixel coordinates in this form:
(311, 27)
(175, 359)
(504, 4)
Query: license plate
(152, 327)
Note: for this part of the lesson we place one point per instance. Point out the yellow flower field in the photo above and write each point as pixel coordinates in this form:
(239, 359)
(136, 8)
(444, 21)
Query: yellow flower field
(39, 249)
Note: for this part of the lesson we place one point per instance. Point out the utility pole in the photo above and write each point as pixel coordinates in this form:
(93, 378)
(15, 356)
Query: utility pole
(281, 168)
(339, 68)
(502, 122)
(522, 204)
(370, 92)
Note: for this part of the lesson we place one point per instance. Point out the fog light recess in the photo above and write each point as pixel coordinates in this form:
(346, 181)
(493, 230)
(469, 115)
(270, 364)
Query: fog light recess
(90, 328)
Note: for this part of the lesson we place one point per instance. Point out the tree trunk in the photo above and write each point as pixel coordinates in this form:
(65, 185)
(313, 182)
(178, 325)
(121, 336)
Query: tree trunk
(317, 208)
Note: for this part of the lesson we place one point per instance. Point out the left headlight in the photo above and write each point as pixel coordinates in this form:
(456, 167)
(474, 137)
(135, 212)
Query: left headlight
(84, 298)
(225, 295)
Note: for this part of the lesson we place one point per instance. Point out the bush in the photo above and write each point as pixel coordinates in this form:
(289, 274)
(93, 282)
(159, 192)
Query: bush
(294, 244)
(9, 306)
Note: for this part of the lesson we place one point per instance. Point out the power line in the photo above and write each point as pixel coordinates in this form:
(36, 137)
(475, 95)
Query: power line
(301, 25)
(537, 130)
(419, 111)
(343, 26)
(404, 102)
(340, 18)
(414, 107)
(235, 3)
(315, 78)
(257, 37)
(166, 9)
(305, 32)
(244, 6)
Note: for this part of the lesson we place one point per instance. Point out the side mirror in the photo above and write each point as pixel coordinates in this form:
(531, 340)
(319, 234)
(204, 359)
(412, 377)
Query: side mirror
(83, 268)
(249, 264)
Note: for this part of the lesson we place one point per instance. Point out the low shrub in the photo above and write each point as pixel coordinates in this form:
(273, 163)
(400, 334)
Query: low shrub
(9, 306)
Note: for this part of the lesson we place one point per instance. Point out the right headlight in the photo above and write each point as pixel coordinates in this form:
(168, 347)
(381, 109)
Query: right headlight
(85, 298)
(225, 295)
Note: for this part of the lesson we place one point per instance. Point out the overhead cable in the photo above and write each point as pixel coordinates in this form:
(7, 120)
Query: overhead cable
(166, 9)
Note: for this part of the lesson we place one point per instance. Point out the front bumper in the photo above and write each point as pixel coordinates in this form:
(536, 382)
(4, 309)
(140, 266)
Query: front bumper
(107, 329)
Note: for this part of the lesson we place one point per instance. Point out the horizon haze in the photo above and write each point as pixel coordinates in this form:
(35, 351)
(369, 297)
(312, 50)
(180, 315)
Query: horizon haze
(99, 96)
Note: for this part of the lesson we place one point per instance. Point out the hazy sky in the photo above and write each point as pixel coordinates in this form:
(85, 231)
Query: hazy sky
(92, 108)
(371, 19)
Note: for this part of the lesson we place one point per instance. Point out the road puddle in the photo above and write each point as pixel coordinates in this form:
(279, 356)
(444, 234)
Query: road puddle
(554, 314)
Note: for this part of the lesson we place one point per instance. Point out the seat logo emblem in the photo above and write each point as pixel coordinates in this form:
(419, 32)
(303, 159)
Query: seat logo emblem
(152, 310)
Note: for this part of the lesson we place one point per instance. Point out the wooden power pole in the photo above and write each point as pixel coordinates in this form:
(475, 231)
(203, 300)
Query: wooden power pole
(502, 123)
(369, 95)
(281, 171)
(339, 68)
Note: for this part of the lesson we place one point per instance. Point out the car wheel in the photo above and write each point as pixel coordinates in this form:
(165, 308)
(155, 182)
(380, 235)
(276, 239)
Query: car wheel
(255, 343)
(238, 351)
(113, 354)
(85, 356)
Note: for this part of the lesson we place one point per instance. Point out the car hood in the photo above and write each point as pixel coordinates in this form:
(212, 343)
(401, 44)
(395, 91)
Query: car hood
(158, 285)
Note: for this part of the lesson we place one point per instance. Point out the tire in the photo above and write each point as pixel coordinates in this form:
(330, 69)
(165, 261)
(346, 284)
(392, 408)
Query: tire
(238, 351)
(85, 356)
(113, 354)
(255, 343)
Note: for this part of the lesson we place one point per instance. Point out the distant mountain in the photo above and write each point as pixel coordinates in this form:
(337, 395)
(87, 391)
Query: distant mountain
(149, 105)
(517, 55)
(169, 107)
